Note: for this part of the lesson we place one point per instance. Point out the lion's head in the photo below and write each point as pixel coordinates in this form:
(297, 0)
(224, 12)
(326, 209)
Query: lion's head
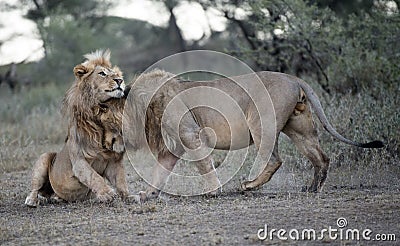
(97, 78)
(96, 82)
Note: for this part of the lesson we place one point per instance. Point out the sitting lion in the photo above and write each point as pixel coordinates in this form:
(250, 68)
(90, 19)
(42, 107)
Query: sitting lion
(171, 135)
(93, 151)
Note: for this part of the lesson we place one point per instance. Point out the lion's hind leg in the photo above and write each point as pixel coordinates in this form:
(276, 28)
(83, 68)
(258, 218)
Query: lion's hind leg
(160, 174)
(115, 173)
(40, 179)
(197, 145)
(301, 130)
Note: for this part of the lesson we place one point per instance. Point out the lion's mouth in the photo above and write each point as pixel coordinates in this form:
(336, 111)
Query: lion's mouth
(117, 92)
(115, 89)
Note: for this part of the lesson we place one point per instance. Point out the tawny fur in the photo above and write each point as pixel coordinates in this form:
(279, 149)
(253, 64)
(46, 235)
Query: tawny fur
(292, 100)
(141, 119)
(80, 170)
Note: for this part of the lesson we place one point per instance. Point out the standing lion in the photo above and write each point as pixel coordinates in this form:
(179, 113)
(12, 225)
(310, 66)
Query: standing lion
(172, 133)
(93, 152)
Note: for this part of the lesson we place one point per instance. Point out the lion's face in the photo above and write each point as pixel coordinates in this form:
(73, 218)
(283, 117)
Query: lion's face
(102, 82)
(107, 83)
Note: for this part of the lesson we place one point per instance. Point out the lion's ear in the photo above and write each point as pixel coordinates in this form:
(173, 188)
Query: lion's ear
(80, 70)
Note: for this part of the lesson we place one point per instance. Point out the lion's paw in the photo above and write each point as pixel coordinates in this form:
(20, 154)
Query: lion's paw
(309, 189)
(31, 202)
(247, 186)
(123, 193)
(106, 195)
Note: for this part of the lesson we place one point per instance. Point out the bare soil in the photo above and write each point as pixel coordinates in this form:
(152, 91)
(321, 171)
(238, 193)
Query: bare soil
(232, 218)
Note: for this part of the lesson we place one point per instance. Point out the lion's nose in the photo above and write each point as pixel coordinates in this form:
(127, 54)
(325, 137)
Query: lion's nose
(119, 81)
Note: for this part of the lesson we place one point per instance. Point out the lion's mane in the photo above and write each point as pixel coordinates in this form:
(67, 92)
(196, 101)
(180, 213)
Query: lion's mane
(79, 101)
(148, 97)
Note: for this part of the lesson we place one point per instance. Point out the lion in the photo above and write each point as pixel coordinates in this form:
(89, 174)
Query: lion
(83, 167)
(292, 100)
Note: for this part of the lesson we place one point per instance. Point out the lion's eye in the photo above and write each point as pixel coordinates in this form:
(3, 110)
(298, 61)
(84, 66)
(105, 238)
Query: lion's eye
(102, 74)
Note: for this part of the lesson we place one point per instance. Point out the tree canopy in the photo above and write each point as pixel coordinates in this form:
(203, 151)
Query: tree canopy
(344, 45)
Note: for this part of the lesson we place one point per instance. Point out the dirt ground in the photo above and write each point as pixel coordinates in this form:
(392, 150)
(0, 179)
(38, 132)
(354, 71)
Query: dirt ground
(233, 218)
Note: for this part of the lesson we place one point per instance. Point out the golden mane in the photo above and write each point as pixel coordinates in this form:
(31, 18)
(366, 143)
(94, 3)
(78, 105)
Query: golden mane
(79, 101)
(90, 163)
(144, 109)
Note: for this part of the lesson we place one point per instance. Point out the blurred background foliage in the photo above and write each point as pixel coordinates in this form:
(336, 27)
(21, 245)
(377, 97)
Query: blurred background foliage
(349, 52)
(345, 46)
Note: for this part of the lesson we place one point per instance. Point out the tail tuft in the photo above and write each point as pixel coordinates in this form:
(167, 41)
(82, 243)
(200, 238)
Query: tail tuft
(373, 144)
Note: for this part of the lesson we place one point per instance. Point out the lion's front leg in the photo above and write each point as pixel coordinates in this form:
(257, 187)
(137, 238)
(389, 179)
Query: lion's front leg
(207, 169)
(160, 173)
(115, 173)
(89, 177)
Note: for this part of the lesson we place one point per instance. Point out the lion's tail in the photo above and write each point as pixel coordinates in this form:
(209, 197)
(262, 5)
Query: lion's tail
(316, 105)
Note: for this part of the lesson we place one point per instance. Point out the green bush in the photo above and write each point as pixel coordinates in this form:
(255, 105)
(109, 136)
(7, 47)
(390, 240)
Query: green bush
(357, 53)
(352, 63)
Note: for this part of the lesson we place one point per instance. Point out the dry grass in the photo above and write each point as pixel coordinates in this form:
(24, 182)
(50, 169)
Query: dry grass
(30, 124)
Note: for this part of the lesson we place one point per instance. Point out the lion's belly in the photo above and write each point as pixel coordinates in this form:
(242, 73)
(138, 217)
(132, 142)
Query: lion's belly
(224, 133)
